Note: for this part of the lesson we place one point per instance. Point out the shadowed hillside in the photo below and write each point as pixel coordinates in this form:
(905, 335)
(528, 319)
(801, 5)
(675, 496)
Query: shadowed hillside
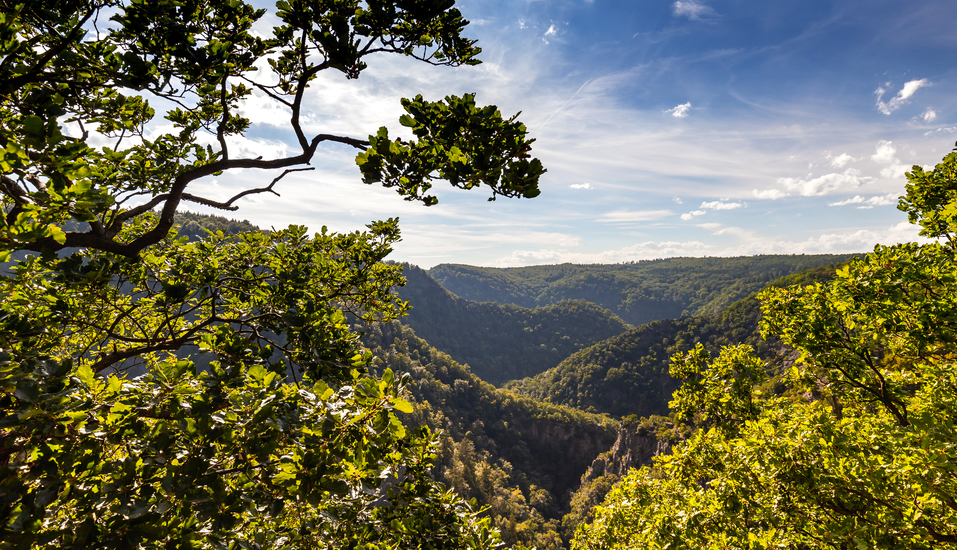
(637, 292)
(628, 374)
(521, 457)
(502, 342)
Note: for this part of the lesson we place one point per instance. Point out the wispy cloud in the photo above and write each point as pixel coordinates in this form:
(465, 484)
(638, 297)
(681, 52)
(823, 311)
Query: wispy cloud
(829, 243)
(581, 186)
(928, 115)
(896, 102)
(552, 32)
(569, 100)
(648, 250)
(719, 205)
(948, 130)
(625, 216)
(880, 200)
(693, 10)
(680, 111)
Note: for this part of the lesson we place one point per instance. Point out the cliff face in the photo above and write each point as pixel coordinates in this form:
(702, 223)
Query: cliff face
(635, 447)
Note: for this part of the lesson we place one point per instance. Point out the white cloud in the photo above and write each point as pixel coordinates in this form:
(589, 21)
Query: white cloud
(243, 147)
(261, 109)
(861, 240)
(949, 130)
(909, 89)
(680, 111)
(856, 199)
(692, 10)
(841, 160)
(885, 154)
(581, 186)
(880, 200)
(823, 185)
(552, 31)
(692, 214)
(929, 115)
(718, 205)
(640, 251)
(772, 194)
(625, 216)
(678, 200)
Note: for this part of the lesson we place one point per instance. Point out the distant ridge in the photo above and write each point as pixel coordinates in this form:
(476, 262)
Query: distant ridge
(502, 342)
(638, 292)
(628, 374)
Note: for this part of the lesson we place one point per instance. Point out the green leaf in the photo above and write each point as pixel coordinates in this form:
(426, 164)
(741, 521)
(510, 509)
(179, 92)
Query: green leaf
(402, 405)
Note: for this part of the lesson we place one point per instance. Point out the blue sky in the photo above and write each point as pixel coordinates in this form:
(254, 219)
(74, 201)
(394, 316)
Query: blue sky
(686, 128)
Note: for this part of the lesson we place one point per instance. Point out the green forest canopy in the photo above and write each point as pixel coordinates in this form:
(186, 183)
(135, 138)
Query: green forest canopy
(502, 342)
(638, 292)
(628, 373)
(235, 455)
(859, 453)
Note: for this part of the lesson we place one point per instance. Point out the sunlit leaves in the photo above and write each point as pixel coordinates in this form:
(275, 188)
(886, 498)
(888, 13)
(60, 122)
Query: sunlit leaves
(251, 422)
(456, 141)
(857, 453)
(931, 198)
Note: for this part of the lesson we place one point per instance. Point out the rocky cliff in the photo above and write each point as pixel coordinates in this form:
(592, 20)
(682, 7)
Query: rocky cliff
(636, 446)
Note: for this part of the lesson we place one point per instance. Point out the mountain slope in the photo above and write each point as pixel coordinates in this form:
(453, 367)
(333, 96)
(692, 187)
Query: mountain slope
(637, 292)
(628, 374)
(521, 457)
(502, 342)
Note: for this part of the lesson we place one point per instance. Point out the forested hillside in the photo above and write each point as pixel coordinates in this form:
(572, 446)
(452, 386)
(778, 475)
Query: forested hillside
(196, 226)
(855, 448)
(628, 373)
(502, 342)
(519, 456)
(638, 292)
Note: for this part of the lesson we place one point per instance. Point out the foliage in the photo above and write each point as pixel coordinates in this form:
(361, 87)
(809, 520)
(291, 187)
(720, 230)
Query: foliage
(110, 111)
(584, 500)
(638, 292)
(721, 393)
(519, 457)
(629, 373)
(860, 453)
(502, 342)
(466, 145)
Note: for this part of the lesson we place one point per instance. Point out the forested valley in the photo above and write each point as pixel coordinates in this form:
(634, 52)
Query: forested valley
(178, 380)
(537, 426)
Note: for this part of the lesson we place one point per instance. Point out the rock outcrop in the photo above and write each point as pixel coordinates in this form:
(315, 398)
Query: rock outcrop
(636, 446)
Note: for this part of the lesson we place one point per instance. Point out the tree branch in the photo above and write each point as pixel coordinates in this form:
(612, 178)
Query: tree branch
(14, 84)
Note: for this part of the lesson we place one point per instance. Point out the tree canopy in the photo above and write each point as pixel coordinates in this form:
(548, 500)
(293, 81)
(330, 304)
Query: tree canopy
(858, 453)
(502, 342)
(638, 292)
(629, 374)
(109, 111)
